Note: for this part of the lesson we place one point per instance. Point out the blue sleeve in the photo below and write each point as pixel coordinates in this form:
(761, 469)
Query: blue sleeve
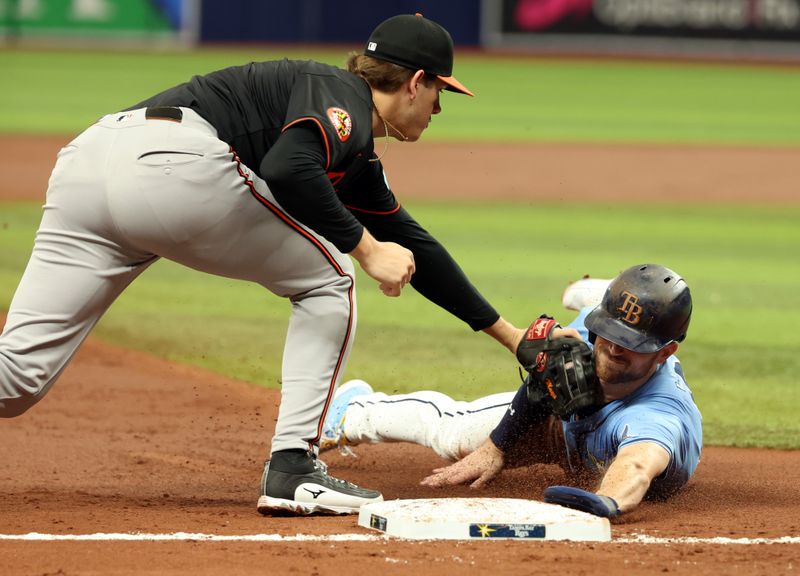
(665, 422)
(650, 424)
(578, 324)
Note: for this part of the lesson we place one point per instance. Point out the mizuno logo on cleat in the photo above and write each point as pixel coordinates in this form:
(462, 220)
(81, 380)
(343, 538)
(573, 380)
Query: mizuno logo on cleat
(313, 493)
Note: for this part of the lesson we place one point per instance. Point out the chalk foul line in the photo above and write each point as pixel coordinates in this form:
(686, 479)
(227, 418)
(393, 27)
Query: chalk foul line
(190, 536)
(644, 539)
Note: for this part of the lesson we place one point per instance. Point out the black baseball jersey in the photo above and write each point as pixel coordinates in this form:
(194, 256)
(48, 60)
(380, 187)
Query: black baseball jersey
(306, 129)
(251, 105)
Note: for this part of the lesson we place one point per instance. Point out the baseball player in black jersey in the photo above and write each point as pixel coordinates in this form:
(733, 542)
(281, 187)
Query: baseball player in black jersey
(264, 172)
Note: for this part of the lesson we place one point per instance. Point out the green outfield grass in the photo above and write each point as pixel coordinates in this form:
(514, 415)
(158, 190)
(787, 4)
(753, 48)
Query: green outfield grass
(740, 358)
(517, 99)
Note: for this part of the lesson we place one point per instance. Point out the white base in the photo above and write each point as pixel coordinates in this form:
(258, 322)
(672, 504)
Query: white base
(482, 519)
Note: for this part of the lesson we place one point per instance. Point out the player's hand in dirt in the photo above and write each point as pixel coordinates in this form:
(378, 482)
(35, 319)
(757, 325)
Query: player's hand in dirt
(479, 468)
(390, 264)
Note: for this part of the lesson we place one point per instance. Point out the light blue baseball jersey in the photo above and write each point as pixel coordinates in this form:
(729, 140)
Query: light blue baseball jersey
(662, 411)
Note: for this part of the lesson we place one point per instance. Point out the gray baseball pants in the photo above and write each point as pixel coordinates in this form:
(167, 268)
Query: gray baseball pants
(130, 190)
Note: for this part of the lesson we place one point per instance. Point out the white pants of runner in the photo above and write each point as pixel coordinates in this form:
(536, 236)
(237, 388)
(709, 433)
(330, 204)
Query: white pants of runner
(450, 427)
(129, 190)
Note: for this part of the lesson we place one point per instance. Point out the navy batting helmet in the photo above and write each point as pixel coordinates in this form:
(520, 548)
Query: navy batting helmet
(644, 308)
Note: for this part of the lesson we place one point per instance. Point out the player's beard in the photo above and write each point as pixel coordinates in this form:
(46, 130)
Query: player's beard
(617, 370)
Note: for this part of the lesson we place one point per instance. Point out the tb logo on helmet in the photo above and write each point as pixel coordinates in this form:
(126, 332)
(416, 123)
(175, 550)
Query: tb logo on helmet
(631, 309)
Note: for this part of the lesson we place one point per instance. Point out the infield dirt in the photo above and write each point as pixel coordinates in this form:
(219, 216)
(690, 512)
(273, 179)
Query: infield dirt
(129, 443)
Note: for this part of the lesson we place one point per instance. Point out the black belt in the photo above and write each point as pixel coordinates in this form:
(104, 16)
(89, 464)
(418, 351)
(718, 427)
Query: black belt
(163, 113)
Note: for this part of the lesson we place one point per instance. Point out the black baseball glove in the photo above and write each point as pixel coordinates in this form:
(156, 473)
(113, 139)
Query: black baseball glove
(561, 371)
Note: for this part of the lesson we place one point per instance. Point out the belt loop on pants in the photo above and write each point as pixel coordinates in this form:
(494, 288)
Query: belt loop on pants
(170, 113)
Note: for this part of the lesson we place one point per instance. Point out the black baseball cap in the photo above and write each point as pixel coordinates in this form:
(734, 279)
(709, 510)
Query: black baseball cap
(417, 43)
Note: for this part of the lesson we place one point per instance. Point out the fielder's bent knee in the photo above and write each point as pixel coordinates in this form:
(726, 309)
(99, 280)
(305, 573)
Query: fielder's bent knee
(20, 388)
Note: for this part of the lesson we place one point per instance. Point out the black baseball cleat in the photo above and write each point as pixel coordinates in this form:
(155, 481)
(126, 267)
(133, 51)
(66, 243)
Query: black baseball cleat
(300, 484)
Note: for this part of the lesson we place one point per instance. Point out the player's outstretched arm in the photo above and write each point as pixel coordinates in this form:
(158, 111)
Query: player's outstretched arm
(629, 475)
(506, 333)
(479, 467)
(623, 486)
(510, 336)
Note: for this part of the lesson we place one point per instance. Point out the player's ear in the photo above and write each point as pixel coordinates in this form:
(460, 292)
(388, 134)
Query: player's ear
(667, 351)
(414, 82)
